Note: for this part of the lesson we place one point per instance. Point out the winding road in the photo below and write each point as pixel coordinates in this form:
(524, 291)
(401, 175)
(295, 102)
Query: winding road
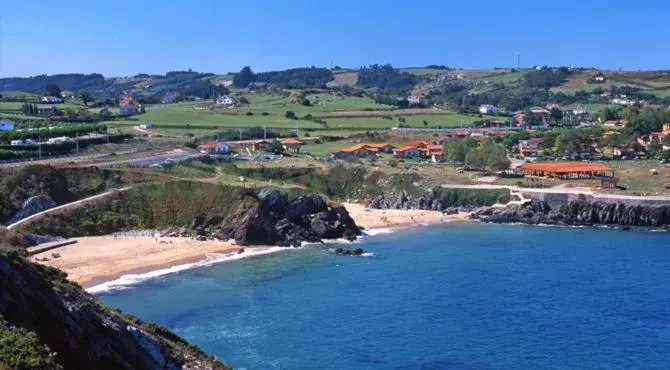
(63, 206)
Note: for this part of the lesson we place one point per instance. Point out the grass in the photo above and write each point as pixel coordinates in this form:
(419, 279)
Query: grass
(424, 71)
(506, 78)
(324, 149)
(637, 175)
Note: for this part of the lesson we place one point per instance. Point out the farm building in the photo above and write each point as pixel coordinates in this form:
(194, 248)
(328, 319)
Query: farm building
(571, 171)
(226, 101)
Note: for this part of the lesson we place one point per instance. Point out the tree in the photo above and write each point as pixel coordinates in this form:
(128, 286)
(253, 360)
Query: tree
(85, 97)
(425, 123)
(52, 90)
(290, 114)
(276, 147)
(475, 160)
(457, 149)
(243, 78)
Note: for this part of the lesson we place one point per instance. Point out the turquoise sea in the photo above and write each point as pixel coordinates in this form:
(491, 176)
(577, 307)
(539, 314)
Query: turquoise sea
(455, 296)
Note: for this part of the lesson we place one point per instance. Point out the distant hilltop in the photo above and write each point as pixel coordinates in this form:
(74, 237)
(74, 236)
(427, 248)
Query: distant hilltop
(495, 89)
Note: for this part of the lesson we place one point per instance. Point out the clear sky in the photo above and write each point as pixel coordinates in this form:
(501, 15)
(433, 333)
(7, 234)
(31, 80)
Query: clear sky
(124, 37)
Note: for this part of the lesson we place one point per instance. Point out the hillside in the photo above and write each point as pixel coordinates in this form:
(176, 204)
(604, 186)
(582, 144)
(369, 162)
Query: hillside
(48, 323)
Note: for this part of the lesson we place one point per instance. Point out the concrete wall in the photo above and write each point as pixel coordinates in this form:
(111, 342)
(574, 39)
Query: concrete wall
(554, 199)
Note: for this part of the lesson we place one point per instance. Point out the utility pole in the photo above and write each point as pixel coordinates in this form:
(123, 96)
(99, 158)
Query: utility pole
(297, 128)
(518, 60)
(76, 140)
(265, 133)
(240, 130)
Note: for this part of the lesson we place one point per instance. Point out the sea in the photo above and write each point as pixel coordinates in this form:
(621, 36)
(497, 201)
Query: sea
(449, 296)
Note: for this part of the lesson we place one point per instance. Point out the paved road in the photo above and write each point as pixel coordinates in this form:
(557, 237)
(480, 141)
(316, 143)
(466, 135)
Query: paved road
(63, 206)
(174, 156)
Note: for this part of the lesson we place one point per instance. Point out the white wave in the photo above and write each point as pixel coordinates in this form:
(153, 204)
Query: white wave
(127, 281)
(378, 231)
(368, 254)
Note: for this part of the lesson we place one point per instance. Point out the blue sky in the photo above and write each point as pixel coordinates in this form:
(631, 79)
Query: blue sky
(126, 37)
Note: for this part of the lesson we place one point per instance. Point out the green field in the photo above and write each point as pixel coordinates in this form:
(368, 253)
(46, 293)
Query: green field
(424, 71)
(506, 78)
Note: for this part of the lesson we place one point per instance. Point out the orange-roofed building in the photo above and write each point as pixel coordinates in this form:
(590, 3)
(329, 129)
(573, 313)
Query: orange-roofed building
(292, 145)
(215, 147)
(571, 171)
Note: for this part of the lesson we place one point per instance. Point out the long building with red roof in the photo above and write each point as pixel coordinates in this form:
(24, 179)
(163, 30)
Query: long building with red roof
(567, 170)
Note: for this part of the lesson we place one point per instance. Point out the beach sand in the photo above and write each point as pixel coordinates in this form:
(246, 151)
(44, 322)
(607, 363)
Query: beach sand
(97, 259)
(377, 218)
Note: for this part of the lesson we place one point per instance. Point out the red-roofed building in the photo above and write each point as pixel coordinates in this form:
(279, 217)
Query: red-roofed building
(292, 145)
(215, 147)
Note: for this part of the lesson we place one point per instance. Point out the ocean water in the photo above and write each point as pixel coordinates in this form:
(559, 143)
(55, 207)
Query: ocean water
(455, 296)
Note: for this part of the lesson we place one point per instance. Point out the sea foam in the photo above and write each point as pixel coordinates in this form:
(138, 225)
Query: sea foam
(127, 281)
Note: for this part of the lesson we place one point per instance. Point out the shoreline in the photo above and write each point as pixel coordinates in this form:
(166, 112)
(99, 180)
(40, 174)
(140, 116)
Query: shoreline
(104, 263)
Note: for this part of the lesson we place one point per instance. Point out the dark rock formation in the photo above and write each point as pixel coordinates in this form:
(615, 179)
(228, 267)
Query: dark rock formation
(579, 214)
(84, 333)
(276, 220)
(451, 200)
(349, 252)
(31, 206)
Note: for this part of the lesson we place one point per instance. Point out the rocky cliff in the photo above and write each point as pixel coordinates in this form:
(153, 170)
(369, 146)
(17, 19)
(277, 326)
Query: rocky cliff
(83, 333)
(579, 213)
(269, 216)
(438, 199)
(277, 220)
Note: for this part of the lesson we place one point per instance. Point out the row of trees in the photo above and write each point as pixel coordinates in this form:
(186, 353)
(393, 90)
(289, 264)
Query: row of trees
(290, 78)
(386, 78)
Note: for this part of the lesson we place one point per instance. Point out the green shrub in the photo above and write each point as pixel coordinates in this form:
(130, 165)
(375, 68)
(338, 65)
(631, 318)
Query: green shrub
(21, 349)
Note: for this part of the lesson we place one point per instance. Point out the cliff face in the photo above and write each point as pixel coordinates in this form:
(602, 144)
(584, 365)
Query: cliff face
(84, 333)
(579, 213)
(438, 199)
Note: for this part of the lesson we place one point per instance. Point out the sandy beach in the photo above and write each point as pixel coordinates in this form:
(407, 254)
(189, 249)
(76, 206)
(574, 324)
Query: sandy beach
(97, 259)
(102, 258)
(376, 218)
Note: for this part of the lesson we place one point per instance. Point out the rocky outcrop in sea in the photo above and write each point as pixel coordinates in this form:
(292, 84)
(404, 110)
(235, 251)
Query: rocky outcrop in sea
(578, 214)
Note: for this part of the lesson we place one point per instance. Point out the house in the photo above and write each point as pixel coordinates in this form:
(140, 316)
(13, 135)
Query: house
(415, 99)
(381, 147)
(59, 140)
(623, 101)
(215, 147)
(411, 149)
(257, 86)
(551, 106)
(292, 145)
(578, 111)
(489, 109)
(45, 110)
(599, 77)
(434, 152)
(66, 94)
(169, 98)
(441, 140)
(356, 151)
(51, 99)
(530, 147)
(147, 125)
(226, 101)
(655, 137)
(6, 125)
(261, 145)
(539, 114)
(16, 142)
(128, 106)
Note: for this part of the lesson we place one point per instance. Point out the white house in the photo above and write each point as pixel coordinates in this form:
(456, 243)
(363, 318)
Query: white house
(489, 109)
(6, 125)
(580, 111)
(623, 101)
(16, 142)
(59, 140)
(226, 101)
(51, 99)
(415, 99)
